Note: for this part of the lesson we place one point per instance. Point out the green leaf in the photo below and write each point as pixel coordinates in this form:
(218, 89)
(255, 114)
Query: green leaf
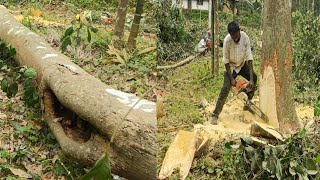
(28, 92)
(317, 111)
(94, 30)
(78, 39)
(210, 170)
(100, 171)
(302, 132)
(27, 83)
(30, 73)
(318, 159)
(311, 166)
(89, 35)
(68, 32)
(66, 41)
(13, 89)
(12, 52)
(4, 85)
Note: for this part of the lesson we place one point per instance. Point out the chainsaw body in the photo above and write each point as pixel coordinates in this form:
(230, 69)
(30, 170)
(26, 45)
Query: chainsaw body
(240, 90)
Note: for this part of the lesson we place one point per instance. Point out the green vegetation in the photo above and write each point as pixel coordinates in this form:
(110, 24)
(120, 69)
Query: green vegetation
(306, 56)
(297, 157)
(32, 146)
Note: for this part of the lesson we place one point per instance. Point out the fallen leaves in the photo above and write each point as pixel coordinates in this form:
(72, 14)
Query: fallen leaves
(35, 12)
(35, 169)
(20, 173)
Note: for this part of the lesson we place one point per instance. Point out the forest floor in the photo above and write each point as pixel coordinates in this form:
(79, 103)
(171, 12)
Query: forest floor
(27, 147)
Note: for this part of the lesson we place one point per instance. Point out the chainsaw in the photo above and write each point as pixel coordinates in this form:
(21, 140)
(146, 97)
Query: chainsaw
(240, 91)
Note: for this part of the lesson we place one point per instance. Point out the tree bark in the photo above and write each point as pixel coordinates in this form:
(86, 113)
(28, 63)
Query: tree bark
(61, 82)
(213, 43)
(135, 25)
(215, 46)
(276, 96)
(181, 7)
(118, 33)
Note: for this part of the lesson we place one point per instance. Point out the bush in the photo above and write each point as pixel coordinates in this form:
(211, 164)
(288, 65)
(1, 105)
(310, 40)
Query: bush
(175, 41)
(306, 55)
(297, 158)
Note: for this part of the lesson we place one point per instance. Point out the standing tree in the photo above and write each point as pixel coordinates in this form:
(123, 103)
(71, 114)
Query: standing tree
(120, 22)
(135, 25)
(215, 40)
(276, 96)
(215, 46)
(212, 30)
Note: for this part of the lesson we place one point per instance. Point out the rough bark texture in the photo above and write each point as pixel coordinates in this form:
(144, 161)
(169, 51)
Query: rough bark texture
(135, 25)
(133, 153)
(120, 22)
(276, 96)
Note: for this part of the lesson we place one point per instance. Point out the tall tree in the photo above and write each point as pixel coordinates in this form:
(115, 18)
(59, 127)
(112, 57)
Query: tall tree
(135, 25)
(215, 46)
(276, 96)
(212, 45)
(120, 22)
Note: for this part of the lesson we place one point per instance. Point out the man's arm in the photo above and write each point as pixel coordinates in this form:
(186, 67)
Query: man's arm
(251, 72)
(226, 60)
(232, 80)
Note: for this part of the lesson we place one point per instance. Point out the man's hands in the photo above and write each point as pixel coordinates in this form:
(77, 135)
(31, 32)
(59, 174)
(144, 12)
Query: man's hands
(251, 84)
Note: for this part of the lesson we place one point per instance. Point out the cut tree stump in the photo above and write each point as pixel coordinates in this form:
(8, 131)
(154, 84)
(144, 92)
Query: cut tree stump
(63, 83)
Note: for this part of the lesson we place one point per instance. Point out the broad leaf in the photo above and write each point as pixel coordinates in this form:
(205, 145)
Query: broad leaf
(100, 171)
(318, 159)
(13, 89)
(68, 32)
(94, 30)
(311, 167)
(66, 41)
(30, 73)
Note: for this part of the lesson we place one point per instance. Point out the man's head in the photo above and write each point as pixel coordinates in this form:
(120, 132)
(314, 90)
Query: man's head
(234, 31)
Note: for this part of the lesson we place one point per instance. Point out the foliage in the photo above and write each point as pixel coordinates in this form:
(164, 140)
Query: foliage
(295, 158)
(317, 107)
(100, 171)
(174, 40)
(13, 76)
(80, 26)
(306, 55)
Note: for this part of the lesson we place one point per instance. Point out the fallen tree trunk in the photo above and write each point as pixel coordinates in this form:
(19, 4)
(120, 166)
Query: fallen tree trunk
(63, 83)
(181, 63)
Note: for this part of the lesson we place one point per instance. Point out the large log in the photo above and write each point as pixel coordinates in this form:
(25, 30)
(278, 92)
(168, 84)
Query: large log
(133, 152)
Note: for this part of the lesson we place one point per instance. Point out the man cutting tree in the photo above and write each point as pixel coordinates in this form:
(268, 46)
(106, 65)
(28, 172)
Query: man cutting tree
(237, 58)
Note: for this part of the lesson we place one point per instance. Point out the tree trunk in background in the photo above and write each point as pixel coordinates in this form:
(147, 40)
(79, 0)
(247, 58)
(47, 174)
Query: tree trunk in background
(212, 45)
(215, 45)
(209, 14)
(117, 38)
(181, 7)
(276, 96)
(135, 25)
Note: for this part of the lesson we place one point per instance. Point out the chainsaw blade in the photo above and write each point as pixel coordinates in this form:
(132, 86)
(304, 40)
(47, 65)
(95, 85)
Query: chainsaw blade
(257, 110)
